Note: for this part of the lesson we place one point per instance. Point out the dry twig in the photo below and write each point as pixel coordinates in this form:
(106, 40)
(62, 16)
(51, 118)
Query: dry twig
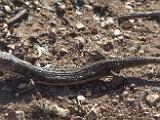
(17, 17)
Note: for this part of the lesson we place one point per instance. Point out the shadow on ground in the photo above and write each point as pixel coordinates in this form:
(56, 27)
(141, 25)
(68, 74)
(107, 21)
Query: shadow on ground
(10, 92)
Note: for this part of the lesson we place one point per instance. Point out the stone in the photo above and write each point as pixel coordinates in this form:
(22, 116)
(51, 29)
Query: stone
(7, 8)
(81, 98)
(114, 101)
(80, 26)
(107, 46)
(127, 25)
(16, 115)
(131, 102)
(59, 110)
(110, 21)
(117, 32)
(152, 99)
(125, 93)
(88, 7)
(134, 48)
(157, 116)
(129, 5)
(92, 115)
(63, 51)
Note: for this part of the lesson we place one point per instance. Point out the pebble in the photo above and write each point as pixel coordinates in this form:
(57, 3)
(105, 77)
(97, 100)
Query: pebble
(80, 26)
(16, 115)
(117, 32)
(114, 101)
(157, 116)
(106, 46)
(129, 5)
(96, 18)
(7, 8)
(60, 111)
(120, 37)
(81, 98)
(134, 48)
(125, 93)
(52, 33)
(80, 42)
(63, 51)
(92, 115)
(131, 102)
(127, 25)
(109, 21)
(88, 7)
(152, 99)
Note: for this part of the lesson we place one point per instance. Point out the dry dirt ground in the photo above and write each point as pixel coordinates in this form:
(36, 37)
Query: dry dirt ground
(69, 34)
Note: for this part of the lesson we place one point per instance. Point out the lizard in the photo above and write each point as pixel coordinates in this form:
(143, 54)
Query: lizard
(57, 77)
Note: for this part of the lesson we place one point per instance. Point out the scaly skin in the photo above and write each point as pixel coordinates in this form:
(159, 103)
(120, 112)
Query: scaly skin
(10, 63)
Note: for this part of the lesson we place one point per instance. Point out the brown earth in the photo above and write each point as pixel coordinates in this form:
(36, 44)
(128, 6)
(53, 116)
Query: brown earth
(70, 34)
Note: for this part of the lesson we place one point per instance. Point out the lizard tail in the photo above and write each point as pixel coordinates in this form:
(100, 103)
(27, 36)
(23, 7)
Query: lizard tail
(136, 61)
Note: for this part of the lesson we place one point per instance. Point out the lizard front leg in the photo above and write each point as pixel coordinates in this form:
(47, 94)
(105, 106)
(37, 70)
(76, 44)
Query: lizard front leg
(119, 79)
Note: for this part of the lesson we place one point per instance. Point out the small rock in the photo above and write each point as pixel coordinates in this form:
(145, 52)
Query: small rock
(125, 93)
(12, 46)
(103, 24)
(7, 8)
(131, 102)
(81, 39)
(80, 42)
(117, 32)
(134, 48)
(41, 49)
(121, 116)
(114, 101)
(158, 105)
(79, 12)
(62, 7)
(157, 116)
(16, 115)
(127, 25)
(107, 46)
(92, 115)
(59, 110)
(52, 34)
(96, 18)
(81, 98)
(132, 20)
(94, 56)
(152, 99)
(129, 5)
(143, 106)
(103, 109)
(63, 51)
(88, 7)
(80, 26)
(120, 37)
(109, 21)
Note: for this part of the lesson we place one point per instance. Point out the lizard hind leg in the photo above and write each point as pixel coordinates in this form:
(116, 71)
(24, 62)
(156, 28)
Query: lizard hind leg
(119, 80)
